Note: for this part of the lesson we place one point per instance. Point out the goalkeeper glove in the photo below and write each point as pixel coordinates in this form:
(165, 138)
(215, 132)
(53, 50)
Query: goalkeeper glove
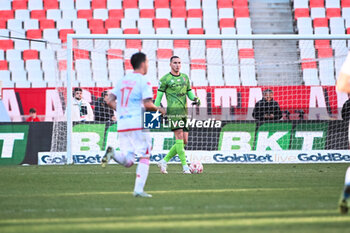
(196, 101)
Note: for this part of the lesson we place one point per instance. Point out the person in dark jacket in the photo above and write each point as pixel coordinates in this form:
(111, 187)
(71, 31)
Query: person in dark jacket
(267, 109)
(345, 112)
(103, 112)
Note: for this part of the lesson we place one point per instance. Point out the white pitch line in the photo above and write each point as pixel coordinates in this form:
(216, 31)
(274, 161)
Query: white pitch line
(281, 216)
(114, 172)
(189, 191)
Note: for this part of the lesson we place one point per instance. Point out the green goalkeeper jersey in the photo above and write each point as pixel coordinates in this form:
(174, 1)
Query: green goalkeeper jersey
(175, 89)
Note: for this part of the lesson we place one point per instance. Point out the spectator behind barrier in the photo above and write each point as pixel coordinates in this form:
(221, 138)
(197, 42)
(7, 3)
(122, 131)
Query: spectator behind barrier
(32, 116)
(267, 109)
(103, 113)
(345, 112)
(81, 109)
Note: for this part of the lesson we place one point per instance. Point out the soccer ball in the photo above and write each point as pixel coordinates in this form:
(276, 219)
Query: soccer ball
(196, 167)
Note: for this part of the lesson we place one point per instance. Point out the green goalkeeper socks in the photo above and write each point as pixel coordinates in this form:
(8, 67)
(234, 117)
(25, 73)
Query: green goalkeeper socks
(181, 151)
(170, 154)
(178, 148)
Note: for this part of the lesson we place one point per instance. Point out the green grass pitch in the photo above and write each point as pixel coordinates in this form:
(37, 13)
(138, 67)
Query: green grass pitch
(225, 198)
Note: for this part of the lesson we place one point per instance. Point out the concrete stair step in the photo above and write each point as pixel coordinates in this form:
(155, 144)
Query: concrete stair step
(279, 82)
(271, 7)
(269, 1)
(272, 16)
(277, 62)
(272, 31)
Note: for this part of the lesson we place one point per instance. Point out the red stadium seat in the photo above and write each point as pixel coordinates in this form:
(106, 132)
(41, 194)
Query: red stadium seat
(322, 44)
(115, 54)
(164, 53)
(178, 12)
(38, 14)
(95, 23)
(198, 64)
(80, 54)
(333, 12)
(116, 14)
(84, 14)
(301, 12)
(130, 4)
(3, 24)
(6, 44)
(246, 53)
(177, 4)
(98, 4)
(325, 52)
(47, 23)
(34, 34)
(30, 54)
(6, 14)
(62, 64)
(316, 3)
(127, 64)
(348, 31)
(227, 23)
(320, 22)
(112, 23)
(50, 4)
(308, 63)
(147, 13)
(241, 12)
(240, 3)
(181, 44)
(19, 4)
(345, 3)
(63, 34)
(161, 4)
(195, 13)
(196, 31)
(96, 26)
(225, 4)
(131, 31)
(98, 31)
(132, 44)
(160, 23)
(3, 65)
(213, 43)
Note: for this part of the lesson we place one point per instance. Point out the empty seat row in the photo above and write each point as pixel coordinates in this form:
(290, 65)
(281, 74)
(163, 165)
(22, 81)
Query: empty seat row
(321, 59)
(117, 4)
(318, 3)
(127, 13)
(322, 12)
(98, 24)
(207, 62)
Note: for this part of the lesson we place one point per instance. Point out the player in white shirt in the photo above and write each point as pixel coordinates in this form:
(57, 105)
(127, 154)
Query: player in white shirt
(132, 92)
(343, 85)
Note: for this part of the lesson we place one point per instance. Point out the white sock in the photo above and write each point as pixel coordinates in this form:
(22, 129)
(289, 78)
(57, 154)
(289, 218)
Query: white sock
(141, 175)
(119, 157)
(347, 176)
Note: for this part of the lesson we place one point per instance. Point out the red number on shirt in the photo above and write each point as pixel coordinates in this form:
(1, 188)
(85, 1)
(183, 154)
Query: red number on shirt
(126, 91)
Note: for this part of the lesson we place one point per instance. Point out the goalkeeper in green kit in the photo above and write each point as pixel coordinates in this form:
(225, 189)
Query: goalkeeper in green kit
(176, 87)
